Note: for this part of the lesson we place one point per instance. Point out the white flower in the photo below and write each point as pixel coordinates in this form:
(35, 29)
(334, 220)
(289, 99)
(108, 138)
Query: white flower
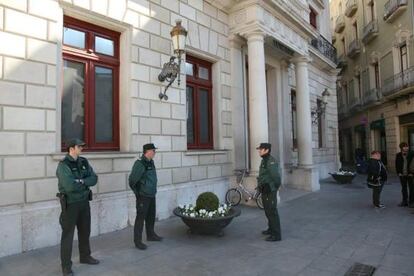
(181, 206)
(192, 215)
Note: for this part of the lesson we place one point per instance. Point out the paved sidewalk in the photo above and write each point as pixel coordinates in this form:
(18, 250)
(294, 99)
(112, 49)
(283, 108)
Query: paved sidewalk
(324, 233)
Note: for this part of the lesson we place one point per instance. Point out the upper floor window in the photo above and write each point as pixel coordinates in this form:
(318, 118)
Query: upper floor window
(313, 17)
(90, 96)
(403, 57)
(346, 94)
(371, 6)
(355, 26)
(199, 104)
(343, 45)
(376, 75)
(358, 86)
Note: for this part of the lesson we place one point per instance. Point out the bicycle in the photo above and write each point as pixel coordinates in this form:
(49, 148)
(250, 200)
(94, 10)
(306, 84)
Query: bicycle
(234, 195)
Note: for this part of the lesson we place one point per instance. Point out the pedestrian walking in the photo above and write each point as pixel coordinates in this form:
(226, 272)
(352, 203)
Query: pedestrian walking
(268, 183)
(143, 182)
(75, 177)
(405, 171)
(377, 176)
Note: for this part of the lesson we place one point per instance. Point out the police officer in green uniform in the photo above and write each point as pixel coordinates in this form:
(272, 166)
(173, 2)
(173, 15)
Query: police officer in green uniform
(268, 183)
(143, 181)
(75, 177)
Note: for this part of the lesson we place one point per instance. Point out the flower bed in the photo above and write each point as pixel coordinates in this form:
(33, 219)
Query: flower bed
(207, 216)
(343, 177)
(207, 223)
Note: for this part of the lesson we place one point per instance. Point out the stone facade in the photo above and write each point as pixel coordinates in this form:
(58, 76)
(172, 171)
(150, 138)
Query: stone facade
(375, 45)
(30, 105)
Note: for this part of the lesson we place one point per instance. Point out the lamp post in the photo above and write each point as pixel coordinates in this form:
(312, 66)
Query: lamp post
(320, 110)
(171, 69)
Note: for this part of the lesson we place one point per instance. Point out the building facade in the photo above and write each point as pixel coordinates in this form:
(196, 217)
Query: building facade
(254, 71)
(376, 54)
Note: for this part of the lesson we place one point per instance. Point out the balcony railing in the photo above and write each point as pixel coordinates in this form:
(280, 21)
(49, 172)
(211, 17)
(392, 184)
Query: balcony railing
(325, 48)
(398, 82)
(354, 103)
(370, 31)
(371, 96)
(351, 7)
(340, 23)
(354, 48)
(393, 8)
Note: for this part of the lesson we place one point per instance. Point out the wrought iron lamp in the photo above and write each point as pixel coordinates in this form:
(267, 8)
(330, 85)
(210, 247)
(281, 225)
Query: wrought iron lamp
(320, 110)
(171, 69)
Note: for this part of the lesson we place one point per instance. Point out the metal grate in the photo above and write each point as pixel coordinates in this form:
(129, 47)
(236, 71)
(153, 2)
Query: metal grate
(360, 270)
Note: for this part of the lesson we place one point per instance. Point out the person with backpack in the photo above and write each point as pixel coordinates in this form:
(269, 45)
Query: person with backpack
(405, 171)
(143, 182)
(377, 176)
(75, 177)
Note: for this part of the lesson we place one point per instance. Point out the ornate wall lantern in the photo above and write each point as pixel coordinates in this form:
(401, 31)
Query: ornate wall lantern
(171, 69)
(320, 110)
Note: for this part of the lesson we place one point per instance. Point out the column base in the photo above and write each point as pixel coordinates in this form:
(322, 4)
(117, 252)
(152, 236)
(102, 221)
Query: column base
(305, 179)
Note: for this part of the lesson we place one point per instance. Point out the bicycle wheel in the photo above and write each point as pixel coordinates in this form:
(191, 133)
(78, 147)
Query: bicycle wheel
(259, 201)
(233, 197)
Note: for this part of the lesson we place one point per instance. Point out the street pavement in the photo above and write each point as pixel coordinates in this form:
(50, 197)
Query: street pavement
(324, 233)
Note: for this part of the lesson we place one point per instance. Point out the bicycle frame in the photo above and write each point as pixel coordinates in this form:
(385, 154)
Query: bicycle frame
(243, 190)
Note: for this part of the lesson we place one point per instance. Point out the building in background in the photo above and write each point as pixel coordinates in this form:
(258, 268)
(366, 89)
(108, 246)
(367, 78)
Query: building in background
(254, 72)
(374, 39)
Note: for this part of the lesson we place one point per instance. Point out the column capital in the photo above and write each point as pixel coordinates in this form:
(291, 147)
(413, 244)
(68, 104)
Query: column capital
(256, 35)
(301, 59)
(236, 41)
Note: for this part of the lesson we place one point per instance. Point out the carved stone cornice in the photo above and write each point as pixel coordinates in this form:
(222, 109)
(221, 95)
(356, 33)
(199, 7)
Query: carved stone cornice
(254, 17)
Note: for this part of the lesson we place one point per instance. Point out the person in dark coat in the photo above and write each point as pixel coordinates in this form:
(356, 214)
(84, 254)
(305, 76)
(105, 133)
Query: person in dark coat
(377, 176)
(405, 171)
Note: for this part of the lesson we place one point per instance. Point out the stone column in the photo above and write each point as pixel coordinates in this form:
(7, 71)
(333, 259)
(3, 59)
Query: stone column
(303, 112)
(239, 115)
(258, 119)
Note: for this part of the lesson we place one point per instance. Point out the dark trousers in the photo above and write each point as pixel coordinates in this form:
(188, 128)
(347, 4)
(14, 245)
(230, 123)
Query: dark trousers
(407, 189)
(76, 214)
(145, 212)
(376, 193)
(270, 208)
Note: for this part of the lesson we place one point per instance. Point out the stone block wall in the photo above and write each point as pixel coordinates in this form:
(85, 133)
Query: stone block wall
(30, 81)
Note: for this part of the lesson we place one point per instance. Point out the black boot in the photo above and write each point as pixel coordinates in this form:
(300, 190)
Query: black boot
(140, 245)
(89, 260)
(67, 272)
(272, 239)
(266, 232)
(154, 237)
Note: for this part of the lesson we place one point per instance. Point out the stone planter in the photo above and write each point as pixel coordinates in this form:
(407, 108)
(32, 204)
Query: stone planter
(208, 226)
(343, 178)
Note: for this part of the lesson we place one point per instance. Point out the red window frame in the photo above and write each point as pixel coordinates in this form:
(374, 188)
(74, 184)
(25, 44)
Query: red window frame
(198, 83)
(90, 58)
(313, 18)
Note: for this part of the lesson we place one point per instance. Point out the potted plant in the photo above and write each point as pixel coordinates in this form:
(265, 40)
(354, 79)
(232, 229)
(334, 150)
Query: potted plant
(343, 177)
(207, 216)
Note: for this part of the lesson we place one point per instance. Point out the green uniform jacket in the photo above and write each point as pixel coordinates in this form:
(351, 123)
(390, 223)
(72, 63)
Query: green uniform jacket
(69, 171)
(143, 177)
(269, 173)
